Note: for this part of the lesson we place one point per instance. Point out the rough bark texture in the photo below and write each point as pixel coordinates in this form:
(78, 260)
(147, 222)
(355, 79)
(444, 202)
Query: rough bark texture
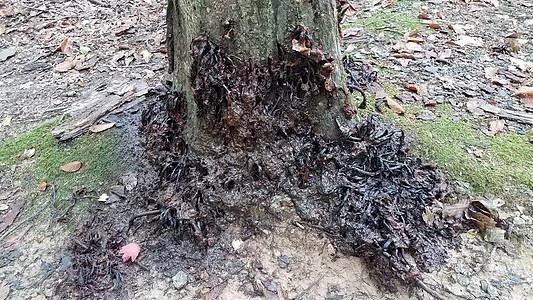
(256, 31)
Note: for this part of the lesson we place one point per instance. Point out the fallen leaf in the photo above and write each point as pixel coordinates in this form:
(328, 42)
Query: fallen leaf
(381, 94)
(465, 40)
(428, 215)
(452, 44)
(424, 16)
(434, 26)
(7, 121)
(524, 91)
(439, 15)
(404, 55)
(131, 250)
(514, 44)
(412, 33)
(43, 186)
(397, 108)
(445, 53)
(11, 215)
(414, 40)
(300, 47)
(413, 47)
(103, 198)
(456, 210)
(101, 127)
(496, 126)
(459, 29)
(514, 35)
(71, 167)
(29, 153)
(146, 55)
(65, 66)
(410, 87)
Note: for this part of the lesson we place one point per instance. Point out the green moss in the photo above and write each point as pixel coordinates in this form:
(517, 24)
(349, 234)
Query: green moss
(491, 165)
(392, 24)
(99, 154)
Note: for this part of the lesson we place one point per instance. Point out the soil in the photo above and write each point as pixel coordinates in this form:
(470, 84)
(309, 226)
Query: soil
(251, 259)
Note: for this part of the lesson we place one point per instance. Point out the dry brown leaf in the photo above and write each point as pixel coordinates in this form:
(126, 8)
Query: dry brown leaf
(523, 91)
(65, 66)
(424, 16)
(414, 40)
(413, 47)
(298, 47)
(514, 35)
(446, 53)
(404, 55)
(496, 126)
(456, 210)
(453, 44)
(439, 15)
(434, 26)
(412, 33)
(397, 108)
(12, 214)
(43, 186)
(71, 167)
(101, 127)
(410, 87)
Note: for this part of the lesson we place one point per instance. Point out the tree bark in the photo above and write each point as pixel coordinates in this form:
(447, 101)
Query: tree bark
(258, 31)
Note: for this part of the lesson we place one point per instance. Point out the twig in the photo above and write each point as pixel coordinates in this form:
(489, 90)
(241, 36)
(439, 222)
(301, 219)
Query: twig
(24, 221)
(429, 290)
(98, 3)
(146, 213)
(300, 296)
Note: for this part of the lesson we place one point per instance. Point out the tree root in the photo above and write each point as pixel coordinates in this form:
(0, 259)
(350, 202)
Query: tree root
(429, 290)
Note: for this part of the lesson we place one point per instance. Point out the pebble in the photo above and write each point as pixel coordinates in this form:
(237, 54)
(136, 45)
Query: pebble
(179, 280)
(283, 261)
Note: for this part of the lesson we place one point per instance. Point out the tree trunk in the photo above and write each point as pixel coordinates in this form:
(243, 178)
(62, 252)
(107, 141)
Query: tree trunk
(253, 34)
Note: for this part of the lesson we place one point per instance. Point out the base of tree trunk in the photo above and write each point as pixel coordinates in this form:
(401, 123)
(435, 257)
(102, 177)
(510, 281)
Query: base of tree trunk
(362, 190)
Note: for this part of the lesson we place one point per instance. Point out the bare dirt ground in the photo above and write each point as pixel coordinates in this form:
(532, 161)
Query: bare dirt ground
(280, 256)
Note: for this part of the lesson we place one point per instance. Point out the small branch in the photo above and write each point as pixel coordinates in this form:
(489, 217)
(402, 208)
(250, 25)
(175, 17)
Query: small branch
(300, 296)
(429, 290)
(24, 221)
(146, 213)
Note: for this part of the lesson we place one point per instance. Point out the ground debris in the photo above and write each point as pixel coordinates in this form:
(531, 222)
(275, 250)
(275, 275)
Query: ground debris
(364, 190)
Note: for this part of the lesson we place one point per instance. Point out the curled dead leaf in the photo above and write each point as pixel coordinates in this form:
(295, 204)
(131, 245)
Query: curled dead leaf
(412, 33)
(410, 87)
(43, 186)
(71, 167)
(299, 47)
(101, 127)
(397, 108)
(424, 16)
(434, 26)
(404, 55)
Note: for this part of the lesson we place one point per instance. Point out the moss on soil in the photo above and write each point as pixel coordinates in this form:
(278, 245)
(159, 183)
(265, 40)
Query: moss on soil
(493, 166)
(99, 154)
(391, 23)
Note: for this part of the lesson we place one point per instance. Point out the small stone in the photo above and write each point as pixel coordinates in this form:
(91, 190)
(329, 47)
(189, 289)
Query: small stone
(179, 280)
(283, 261)
(427, 115)
(65, 262)
(236, 244)
(3, 206)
